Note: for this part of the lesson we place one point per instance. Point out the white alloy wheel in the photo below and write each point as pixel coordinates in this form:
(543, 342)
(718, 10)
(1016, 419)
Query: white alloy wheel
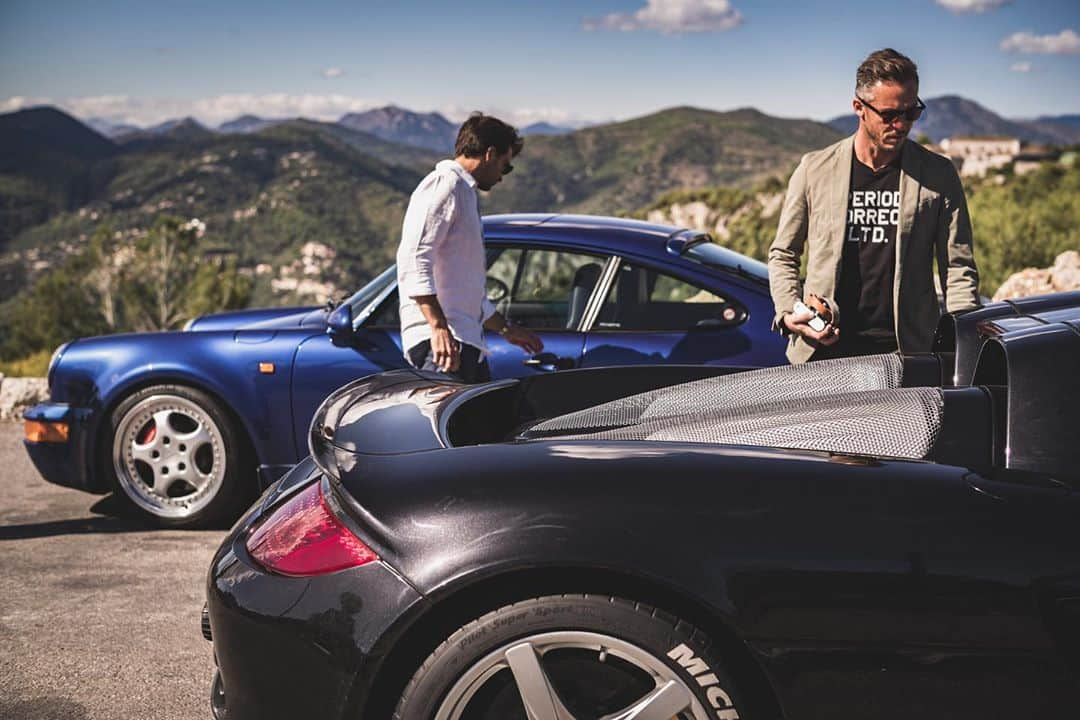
(169, 456)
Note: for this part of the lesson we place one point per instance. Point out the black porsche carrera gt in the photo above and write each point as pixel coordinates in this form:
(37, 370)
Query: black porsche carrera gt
(881, 537)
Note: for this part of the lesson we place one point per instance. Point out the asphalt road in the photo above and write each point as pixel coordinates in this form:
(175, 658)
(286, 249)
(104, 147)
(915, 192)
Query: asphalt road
(99, 617)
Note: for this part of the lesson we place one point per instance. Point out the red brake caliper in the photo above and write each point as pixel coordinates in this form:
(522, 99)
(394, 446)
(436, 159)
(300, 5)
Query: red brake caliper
(148, 434)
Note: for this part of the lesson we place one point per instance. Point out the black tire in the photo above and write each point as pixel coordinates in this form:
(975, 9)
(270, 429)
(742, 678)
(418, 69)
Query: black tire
(646, 649)
(221, 451)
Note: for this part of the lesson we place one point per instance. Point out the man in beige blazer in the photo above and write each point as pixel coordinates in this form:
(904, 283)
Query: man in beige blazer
(872, 212)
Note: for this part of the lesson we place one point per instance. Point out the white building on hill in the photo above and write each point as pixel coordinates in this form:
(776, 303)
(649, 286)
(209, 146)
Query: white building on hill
(977, 155)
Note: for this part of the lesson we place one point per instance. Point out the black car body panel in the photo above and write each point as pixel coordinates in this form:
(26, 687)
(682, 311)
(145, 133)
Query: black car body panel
(849, 585)
(293, 647)
(961, 334)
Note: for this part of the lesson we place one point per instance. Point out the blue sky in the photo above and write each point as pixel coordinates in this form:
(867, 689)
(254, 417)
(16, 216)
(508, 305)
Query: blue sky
(565, 62)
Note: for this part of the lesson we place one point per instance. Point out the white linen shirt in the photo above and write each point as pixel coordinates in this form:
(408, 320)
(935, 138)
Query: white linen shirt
(442, 254)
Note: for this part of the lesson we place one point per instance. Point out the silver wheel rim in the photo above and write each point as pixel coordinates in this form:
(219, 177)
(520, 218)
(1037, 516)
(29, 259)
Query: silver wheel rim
(524, 658)
(169, 456)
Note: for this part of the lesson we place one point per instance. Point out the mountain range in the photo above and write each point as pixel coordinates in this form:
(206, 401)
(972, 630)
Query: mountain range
(49, 162)
(619, 167)
(948, 115)
(430, 130)
(266, 186)
(426, 130)
(952, 115)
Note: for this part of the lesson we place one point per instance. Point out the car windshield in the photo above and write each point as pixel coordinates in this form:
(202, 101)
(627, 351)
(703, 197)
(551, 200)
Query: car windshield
(363, 298)
(709, 253)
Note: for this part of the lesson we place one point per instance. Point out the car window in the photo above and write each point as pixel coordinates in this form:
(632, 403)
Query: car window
(549, 288)
(503, 264)
(367, 294)
(644, 299)
(387, 316)
(535, 287)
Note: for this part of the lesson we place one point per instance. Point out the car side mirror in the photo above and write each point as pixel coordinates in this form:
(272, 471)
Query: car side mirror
(339, 326)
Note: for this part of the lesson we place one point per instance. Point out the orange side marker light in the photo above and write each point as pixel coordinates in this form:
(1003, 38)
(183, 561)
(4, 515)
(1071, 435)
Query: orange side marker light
(43, 432)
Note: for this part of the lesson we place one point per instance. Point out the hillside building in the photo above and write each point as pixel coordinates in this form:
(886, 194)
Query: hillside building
(1033, 157)
(976, 156)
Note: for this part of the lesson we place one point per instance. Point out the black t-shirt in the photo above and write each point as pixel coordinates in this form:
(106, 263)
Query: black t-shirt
(869, 260)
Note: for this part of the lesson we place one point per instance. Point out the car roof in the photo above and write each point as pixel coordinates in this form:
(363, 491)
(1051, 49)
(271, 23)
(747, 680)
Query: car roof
(624, 233)
(624, 236)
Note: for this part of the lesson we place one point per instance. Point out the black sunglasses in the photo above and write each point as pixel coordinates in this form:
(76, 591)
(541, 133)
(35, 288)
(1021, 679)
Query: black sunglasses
(910, 114)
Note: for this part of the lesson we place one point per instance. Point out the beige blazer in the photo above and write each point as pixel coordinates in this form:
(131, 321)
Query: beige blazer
(934, 223)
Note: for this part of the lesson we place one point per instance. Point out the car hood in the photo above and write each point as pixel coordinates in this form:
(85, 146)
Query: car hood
(261, 319)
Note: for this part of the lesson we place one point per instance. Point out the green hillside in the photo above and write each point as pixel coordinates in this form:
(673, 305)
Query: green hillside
(49, 163)
(610, 169)
(1026, 221)
(261, 196)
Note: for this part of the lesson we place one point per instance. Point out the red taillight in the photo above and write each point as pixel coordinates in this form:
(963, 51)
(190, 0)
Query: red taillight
(303, 537)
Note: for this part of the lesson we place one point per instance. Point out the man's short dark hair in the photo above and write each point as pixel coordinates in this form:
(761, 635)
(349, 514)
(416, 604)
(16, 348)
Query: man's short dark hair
(481, 131)
(885, 66)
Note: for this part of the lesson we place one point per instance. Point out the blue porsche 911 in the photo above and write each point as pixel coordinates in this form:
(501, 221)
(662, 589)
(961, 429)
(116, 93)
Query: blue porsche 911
(186, 426)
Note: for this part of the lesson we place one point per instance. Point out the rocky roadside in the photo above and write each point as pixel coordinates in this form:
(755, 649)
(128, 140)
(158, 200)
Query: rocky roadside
(1062, 276)
(17, 394)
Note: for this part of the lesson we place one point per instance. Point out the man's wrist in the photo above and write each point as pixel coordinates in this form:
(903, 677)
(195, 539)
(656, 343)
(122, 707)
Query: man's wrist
(505, 328)
(782, 326)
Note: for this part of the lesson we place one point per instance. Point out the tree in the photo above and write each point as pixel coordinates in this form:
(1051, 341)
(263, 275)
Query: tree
(58, 307)
(169, 279)
(162, 266)
(106, 276)
(112, 285)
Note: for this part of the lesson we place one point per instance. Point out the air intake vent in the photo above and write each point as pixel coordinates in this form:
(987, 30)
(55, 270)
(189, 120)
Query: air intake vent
(206, 623)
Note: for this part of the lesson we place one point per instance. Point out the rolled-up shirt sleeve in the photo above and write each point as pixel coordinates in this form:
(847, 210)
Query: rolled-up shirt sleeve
(421, 240)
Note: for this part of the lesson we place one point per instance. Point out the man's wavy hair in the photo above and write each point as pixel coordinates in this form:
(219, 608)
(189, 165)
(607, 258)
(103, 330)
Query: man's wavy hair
(481, 131)
(884, 66)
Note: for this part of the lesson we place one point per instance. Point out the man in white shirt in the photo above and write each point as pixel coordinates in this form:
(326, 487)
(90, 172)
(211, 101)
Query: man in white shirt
(441, 263)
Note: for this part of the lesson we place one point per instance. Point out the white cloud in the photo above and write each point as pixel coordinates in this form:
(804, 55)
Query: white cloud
(211, 111)
(971, 6)
(1021, 67)
(20, 102)
(331, 73)
(519, 117)
(1065, 42)
(671, 17)
(215, 110)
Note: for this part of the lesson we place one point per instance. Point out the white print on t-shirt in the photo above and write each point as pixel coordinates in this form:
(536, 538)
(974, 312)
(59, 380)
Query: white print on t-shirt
(870, 213)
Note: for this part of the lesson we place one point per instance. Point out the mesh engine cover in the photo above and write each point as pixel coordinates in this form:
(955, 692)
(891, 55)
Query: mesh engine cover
(849, 405)
(730, 393)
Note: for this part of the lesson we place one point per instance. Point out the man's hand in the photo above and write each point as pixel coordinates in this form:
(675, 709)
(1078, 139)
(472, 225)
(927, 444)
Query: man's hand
(445, 350)
(524, 338)
(796, 322)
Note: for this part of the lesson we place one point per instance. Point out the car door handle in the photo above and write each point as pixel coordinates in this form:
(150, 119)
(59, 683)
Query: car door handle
(549, 362)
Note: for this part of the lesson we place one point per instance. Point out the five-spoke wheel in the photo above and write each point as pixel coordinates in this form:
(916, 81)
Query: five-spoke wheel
(174, 456)
(573, 657)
